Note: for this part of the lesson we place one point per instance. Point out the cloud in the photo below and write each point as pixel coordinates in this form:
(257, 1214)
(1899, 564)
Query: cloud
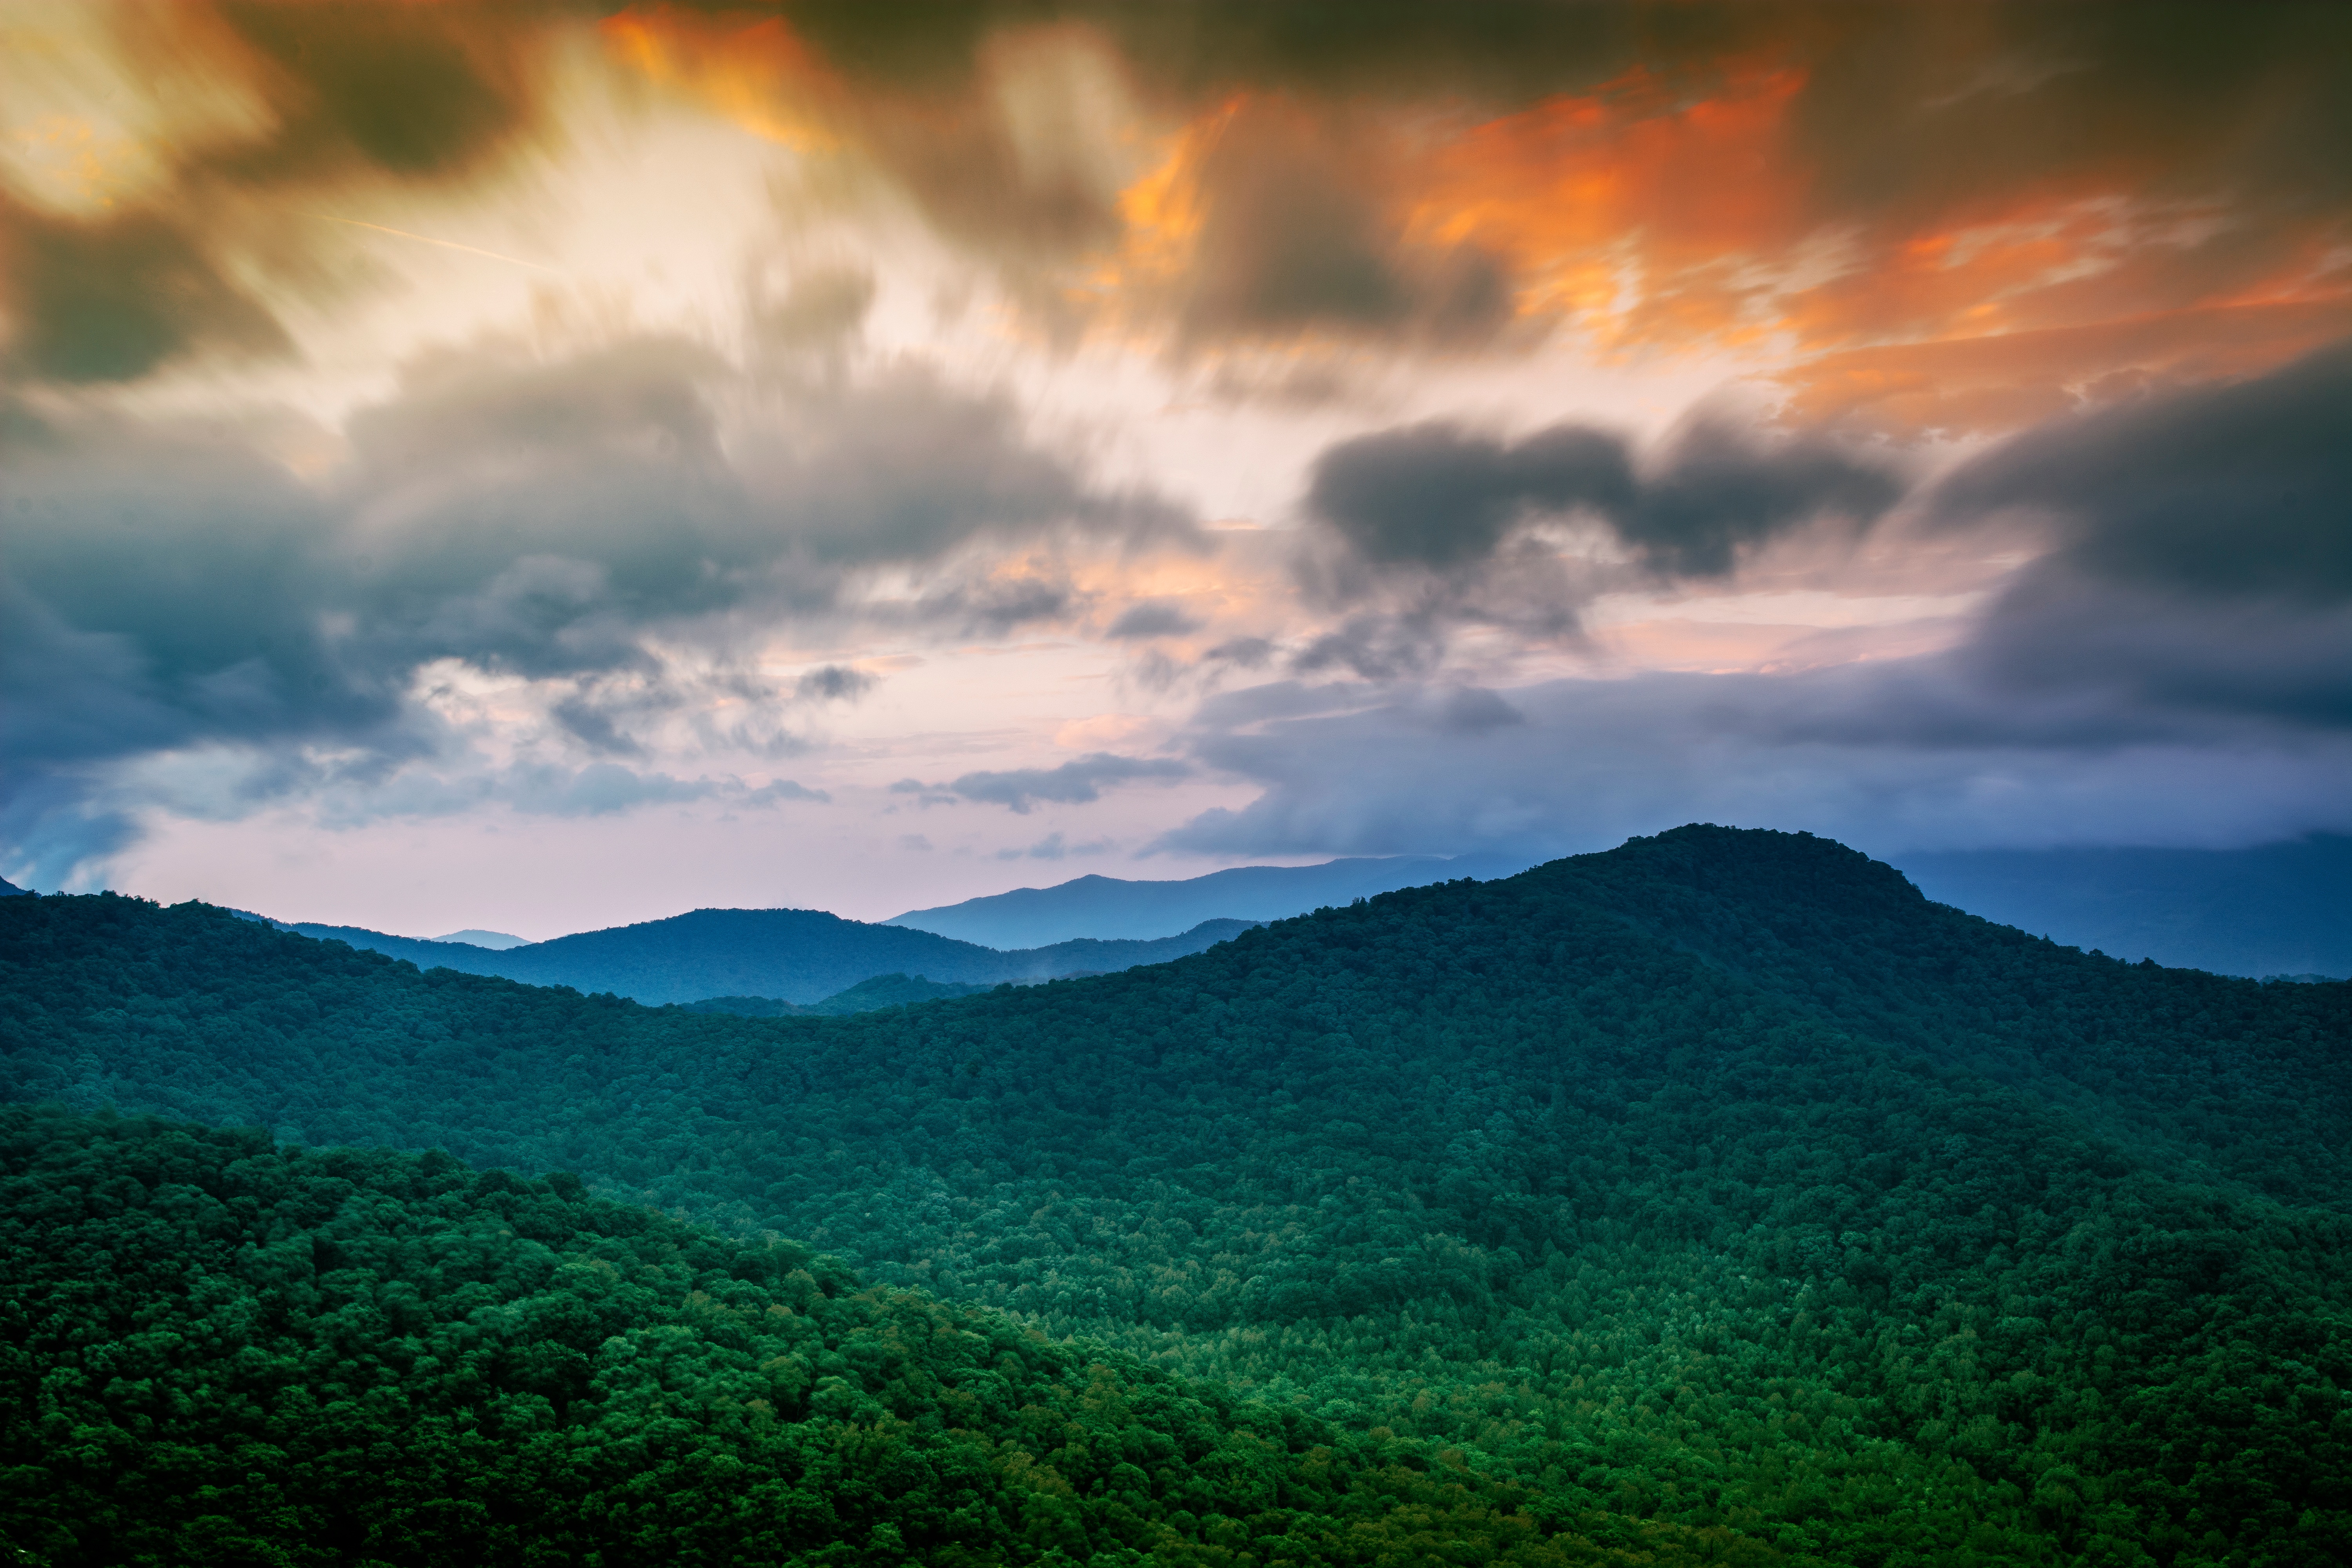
(1151, 618)
(109, 299)
(1418, 531)
(833, 683)
(783, 789)
(2235, 490)
(2202, 561)
(2175, 669)
(339, 99)
(1297, 230)
(1053, 847)
(1887, 756)
(599, 789)
(1075, 783)
(1439, 497)
(583, 525)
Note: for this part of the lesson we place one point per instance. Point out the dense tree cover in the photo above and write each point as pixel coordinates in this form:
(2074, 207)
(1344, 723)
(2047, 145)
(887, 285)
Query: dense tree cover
(218, 1351)
(802, 956)
(1720, 1180)
(865, 996)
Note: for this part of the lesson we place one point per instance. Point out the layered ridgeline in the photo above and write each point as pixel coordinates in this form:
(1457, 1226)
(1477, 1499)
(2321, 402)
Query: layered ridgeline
(1720, 1181)
(2273, 909)
(1112, 907)
(801, 956)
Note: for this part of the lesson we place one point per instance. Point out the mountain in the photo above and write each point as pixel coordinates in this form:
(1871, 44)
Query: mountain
(496, 940)
(1109, 908)
(10, 890)
(2276, 908)
(1720, 1182)
(792, 955)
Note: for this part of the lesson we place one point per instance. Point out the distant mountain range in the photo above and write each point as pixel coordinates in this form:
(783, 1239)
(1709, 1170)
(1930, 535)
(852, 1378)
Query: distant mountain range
(801, 956)
(2276, 908)
(496, 940)
(1106, 907)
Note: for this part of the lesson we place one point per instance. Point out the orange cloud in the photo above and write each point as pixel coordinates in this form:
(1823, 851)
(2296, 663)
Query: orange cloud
(757, 74)
(1644, 219)
(1681, 205)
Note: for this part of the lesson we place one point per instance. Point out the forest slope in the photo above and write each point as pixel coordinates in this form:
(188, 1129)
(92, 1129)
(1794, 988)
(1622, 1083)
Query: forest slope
(216, 1351)
(1719, 1179)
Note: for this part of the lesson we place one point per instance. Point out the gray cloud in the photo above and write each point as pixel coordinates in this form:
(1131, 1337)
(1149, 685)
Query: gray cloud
(1887, 756)
(833, 683)
(577, 523)
(2237, 489)
(599, 789)
(909, 469)
(2178, 668)
(1297, 232)
(350, 96)
(1153, 619)
(2203, 561)
(1075, 783)
(1437, 496)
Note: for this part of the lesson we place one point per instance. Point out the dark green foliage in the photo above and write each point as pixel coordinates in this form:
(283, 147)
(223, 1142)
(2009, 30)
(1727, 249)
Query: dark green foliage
(795, 955)
(1720, 1180)
(865, 996)
(216, 1351)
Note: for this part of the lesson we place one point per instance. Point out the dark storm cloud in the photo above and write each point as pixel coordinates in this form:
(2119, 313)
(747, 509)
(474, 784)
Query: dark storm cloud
(1439, 497)
(1075, 783)
(1297, 233)
(352, 96)
(574, 522)
(109, 299)
(2229, 491)
(2203, 557)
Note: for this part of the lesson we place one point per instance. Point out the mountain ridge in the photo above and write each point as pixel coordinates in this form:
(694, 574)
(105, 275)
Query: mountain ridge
(1113, 907)
(801, 956)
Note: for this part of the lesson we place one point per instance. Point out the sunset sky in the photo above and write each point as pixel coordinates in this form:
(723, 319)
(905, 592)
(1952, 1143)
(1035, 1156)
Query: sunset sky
(539, 467)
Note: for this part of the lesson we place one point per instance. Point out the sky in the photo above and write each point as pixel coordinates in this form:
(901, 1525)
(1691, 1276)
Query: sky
(537, 467)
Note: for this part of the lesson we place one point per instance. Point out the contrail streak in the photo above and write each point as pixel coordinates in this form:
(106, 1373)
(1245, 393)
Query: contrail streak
(428, 240)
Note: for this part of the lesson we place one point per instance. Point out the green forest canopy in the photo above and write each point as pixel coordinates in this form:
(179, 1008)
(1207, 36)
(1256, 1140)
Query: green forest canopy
(1717, 1182)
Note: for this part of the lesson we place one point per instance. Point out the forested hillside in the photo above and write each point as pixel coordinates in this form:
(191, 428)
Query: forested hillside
(214, 1352)
(1720, 1180)
(799, 956)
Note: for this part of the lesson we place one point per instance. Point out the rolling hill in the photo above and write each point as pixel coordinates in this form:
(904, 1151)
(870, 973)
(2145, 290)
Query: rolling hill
(801, 956)
(1720, 1182)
